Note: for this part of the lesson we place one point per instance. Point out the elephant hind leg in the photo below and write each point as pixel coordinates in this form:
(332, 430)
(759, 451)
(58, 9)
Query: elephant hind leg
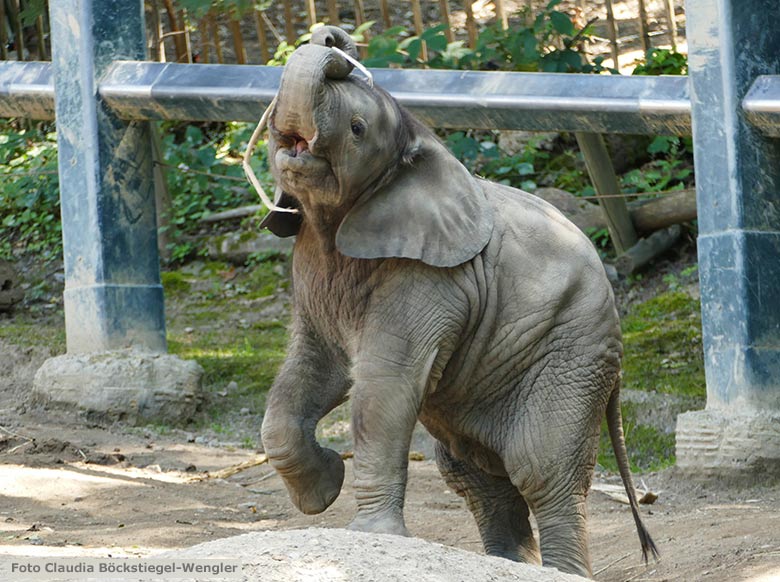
(500, 511)
(562, 534)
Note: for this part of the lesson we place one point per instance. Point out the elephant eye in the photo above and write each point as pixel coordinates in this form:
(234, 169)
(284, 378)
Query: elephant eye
(358, 127)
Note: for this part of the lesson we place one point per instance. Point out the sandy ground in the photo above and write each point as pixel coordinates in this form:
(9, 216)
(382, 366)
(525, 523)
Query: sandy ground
(98, 492)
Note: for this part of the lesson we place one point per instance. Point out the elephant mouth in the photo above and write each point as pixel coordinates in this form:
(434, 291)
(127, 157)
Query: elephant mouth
(298, 146)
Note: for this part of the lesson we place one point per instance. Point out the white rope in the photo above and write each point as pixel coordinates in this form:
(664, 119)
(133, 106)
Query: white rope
(250, 174)
(357, 64)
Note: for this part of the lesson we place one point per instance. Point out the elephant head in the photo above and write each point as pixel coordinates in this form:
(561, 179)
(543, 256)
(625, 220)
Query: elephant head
(375, 180)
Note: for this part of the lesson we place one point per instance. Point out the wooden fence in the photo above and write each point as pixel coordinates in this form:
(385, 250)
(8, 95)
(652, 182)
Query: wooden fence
(224, 37)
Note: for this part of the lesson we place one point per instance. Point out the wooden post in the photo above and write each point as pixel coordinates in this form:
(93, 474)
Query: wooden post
(311, 12)
(265, 54)
(18, 30)
(162, 196)
(444, 7)
(418, 28)
(672, 21)
(501, 13)
(157, 49)
(289, 22)
(41, 40)
(385, 14)
(471, 26)
(613, 34)
(3, 33)
(360, 12)
(602, 174)
(203, 28)
(644, 33)
(186, 36)
(178, 39)
(214, 32)
(238, 40)
(333, 12)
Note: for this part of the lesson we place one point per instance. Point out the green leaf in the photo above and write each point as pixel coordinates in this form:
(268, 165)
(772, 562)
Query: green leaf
(562, 23)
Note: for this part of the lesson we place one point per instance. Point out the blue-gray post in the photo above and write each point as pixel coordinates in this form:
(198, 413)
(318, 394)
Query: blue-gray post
(731, 42)
(113, 296)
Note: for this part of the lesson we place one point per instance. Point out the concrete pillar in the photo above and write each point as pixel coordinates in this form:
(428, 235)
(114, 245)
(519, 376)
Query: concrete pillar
(738, 198)
(113, 296)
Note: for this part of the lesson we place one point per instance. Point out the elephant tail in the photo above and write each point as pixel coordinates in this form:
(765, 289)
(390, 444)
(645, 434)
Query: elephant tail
(615, 425)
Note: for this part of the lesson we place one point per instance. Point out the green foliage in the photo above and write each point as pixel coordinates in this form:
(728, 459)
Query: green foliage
(205, 175)
(236, 8)
(549, 42)
(31, 10)
(660, 61)
(29, 196)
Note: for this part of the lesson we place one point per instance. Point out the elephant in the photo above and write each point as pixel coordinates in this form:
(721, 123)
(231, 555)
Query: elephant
(421, 292)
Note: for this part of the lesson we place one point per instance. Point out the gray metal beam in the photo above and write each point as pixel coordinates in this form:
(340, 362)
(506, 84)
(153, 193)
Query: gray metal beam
(447, 99)
(762, 105)
(26, 90)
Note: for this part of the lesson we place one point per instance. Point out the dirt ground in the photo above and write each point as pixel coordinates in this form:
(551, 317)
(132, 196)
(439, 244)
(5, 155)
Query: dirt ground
(74, 491)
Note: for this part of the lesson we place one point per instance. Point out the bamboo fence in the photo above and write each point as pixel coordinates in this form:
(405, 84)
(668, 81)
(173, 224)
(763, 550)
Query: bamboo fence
(225, 37)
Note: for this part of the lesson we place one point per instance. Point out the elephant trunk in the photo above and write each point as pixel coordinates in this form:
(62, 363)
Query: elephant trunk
(304, 75)
(331, 36)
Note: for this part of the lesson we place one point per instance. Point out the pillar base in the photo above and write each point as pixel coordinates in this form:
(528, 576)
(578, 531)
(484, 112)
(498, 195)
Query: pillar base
(128, 386)
(743, 447)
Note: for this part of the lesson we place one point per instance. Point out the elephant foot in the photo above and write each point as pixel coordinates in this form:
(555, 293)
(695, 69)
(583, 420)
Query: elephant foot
(379, 523)
(313, 491)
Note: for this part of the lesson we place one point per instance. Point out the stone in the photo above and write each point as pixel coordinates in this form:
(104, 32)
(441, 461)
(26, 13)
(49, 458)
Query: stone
(350, 556)
(513, 142)
(129, 386)
(10, 291)
(739, 446)
(584, 214)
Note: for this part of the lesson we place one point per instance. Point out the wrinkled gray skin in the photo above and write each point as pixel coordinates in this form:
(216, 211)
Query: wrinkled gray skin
(421, 292)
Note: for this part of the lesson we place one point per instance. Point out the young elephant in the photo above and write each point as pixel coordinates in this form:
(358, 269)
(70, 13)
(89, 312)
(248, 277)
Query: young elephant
(423, 292)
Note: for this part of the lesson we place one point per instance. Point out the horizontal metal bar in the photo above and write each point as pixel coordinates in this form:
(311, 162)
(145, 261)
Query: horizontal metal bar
(446, 99)
(26, 90)
(762, 104)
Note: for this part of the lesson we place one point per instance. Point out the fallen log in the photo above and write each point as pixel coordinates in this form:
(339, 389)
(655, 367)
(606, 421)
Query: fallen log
(647, 249)
(241, 212)
(658, 213)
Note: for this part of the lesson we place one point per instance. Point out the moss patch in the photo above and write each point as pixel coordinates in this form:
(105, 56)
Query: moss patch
(663, 346)
(175, 283)
(663, 353)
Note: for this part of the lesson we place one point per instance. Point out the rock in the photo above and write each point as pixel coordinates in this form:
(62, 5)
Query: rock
(10, 291)
(348, 556)
(584, 214)
(515, 142)
(130, 386)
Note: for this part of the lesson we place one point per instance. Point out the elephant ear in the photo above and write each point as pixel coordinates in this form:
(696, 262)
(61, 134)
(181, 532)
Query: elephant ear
(433, 210)
(283, 224)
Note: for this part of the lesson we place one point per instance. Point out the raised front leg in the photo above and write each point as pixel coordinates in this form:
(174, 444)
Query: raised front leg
(500, 511)
(310, 384)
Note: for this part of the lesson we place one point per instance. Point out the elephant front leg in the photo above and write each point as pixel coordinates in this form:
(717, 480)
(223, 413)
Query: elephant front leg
(386, 399)
(310, 384)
